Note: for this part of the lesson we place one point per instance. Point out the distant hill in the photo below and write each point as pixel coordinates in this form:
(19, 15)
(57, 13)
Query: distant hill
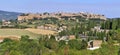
(8, 15)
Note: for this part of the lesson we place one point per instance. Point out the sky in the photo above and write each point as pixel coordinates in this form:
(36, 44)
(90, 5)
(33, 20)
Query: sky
(109, 8)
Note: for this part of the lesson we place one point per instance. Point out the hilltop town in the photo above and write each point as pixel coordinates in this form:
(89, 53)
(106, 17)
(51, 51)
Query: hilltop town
(60, 15)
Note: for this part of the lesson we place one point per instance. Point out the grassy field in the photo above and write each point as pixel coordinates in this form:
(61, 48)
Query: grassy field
(17, 32)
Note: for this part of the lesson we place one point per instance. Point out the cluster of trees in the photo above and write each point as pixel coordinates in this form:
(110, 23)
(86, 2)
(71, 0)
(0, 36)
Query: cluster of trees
(48, 46)
(85, 29)
(113, 24)
(42, 46)
(25, 46)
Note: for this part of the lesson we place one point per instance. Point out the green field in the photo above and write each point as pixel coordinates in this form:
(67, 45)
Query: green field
(17, 32)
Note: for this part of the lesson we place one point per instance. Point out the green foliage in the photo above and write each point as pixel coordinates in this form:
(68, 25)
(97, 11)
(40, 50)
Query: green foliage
(84, 44)
(51, 44)
(20, 26)
(52, 37)
(119, 52)
(23, 47)
(45, 46)
(13, 52)
(113, 24)
(24, 38)
(63, 33)
(72, 44)
(77, 44)
(62, 43)
(7, 40)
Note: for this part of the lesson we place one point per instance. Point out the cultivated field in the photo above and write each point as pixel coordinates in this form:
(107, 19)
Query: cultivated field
(16, 33)
(33, 33)
(41, 31)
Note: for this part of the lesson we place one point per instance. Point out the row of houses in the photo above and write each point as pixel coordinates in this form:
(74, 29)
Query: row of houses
(6, 23)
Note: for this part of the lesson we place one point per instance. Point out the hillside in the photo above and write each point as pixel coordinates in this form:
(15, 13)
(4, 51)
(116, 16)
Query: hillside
(8, 15)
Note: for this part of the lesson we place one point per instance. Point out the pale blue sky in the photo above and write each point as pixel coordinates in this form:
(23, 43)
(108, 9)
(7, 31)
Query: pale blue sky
(110, 8)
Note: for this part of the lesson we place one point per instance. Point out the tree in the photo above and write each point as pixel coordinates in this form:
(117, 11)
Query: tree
(119, 52)
(24, 38)
(72, 44)
(62, 43)
(84, 44)
(7, 40)
(53, 45)
(114, 24)
(52, 37)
